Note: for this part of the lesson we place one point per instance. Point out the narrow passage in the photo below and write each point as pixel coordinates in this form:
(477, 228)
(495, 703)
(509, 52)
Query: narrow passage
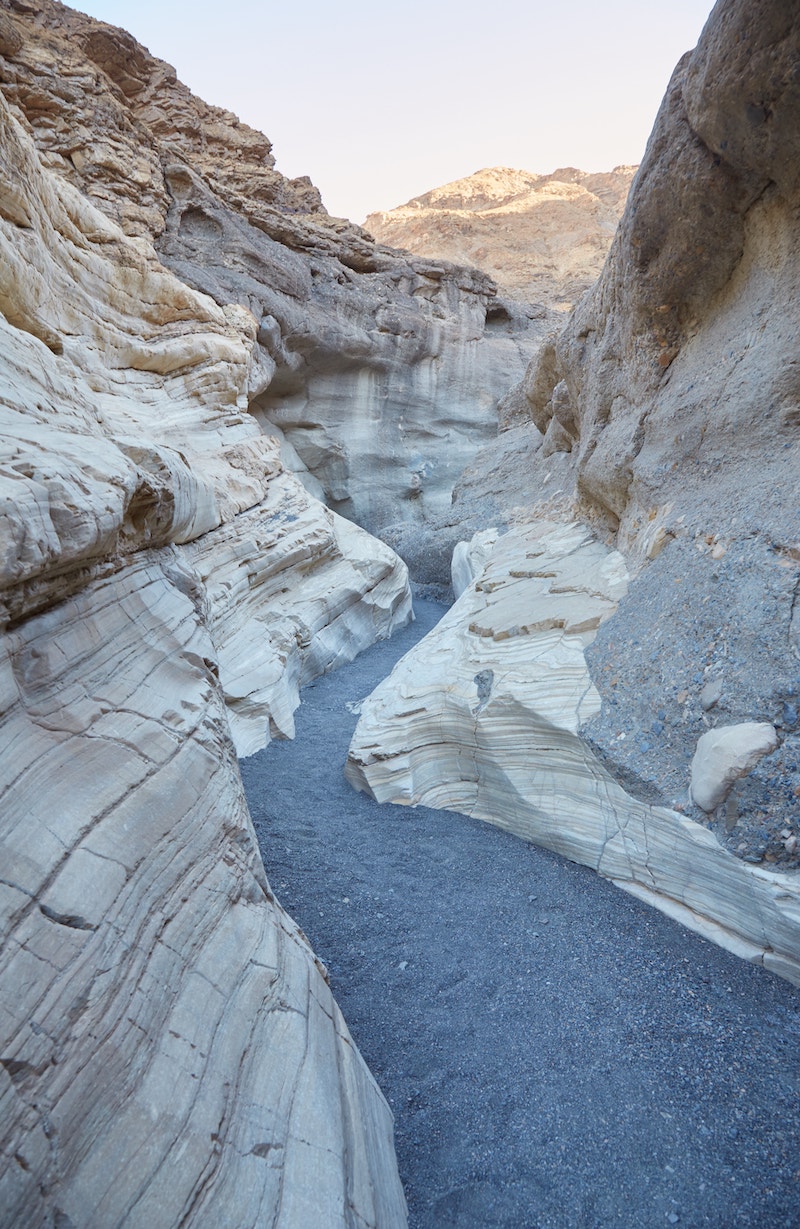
(556, 1054)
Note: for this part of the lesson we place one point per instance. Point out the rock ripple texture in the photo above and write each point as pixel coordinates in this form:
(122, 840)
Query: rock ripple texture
(368, 359)
(170, 1053)
(483, 716)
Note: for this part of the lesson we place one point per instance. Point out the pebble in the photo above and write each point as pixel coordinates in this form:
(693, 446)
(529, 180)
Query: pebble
(711, 694)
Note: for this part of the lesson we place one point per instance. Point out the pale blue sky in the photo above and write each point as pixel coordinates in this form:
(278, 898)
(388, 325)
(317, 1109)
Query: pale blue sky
(379, 102)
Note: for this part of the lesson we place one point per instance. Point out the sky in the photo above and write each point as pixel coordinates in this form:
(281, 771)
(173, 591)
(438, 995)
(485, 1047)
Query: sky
(379, 101)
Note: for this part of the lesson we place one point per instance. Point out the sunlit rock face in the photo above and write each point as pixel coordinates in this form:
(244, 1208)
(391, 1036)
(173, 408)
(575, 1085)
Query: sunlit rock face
(169, 1049)
(543, 238)
(485, 714)
(372, 362)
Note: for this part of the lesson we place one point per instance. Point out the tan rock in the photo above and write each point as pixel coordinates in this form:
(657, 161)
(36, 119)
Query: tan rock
(543, 238)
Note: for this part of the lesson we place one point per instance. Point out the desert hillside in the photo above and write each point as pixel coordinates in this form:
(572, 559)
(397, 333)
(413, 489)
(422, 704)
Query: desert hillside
(543, 238)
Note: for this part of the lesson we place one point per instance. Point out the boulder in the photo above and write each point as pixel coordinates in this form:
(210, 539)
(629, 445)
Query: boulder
(724, 755)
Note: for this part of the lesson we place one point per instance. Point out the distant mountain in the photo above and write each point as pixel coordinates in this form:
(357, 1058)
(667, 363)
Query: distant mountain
(543, 238)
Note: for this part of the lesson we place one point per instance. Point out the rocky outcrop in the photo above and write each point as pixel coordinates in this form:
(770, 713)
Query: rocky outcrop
(484, 716)
(368, 360)
(170, 1052)
(543, 238)
(666, 413)
(663, 415)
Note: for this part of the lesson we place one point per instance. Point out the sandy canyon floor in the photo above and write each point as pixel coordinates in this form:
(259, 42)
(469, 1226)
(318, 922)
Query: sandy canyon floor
(555, 1053)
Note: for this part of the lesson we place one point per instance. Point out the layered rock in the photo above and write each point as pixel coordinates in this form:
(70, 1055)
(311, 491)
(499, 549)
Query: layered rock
(170, 1052)
(484, 716)
(543, 238)
(666, 413)
(369, 360)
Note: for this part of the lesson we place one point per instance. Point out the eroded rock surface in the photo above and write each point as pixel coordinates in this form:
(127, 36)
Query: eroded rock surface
(369, 360)
(543, 238)
(667, 417)
(170, 1052)
(484, 716)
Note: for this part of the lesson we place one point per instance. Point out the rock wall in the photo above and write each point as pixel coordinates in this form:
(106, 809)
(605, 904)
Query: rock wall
(663, 415)
(485, 715)
(543, 238)
(369, 360)
(667, 408)
(170, 1052)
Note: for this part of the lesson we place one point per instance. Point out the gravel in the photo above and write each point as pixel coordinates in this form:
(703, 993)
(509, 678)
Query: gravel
(555, 1053)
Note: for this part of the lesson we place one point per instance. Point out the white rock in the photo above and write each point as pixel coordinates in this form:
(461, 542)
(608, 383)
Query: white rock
(725, 754)
(469, 559)
(162, 1020)
(483, 716)
(171, 1053)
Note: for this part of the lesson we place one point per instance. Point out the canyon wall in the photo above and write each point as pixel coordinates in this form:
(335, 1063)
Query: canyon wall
(486, 716)
(366, 357)
(669, 406)
(664, 417)
(170, 1052)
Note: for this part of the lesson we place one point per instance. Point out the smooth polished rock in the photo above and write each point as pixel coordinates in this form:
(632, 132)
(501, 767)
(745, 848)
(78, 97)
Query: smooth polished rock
(294, 591)
(170, 1052)
(724, 755)
(484, 716)
(469, 559)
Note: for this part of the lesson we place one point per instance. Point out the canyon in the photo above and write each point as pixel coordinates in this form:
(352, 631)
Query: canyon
(225, 417)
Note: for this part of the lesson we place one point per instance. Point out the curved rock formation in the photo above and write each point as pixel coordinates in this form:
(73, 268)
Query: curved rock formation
(367, 359)
(543, 238)
(668, 411)
(170, 1052)
(484, 716)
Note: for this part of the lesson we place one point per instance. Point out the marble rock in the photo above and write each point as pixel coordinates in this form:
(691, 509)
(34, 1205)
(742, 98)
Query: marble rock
(484, 716)
(293, 591)
(724, 755)
(469, 559)
(170, 1052)
(369, 360)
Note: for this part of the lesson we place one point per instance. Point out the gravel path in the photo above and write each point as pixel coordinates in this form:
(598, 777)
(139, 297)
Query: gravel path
(555, 1053)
